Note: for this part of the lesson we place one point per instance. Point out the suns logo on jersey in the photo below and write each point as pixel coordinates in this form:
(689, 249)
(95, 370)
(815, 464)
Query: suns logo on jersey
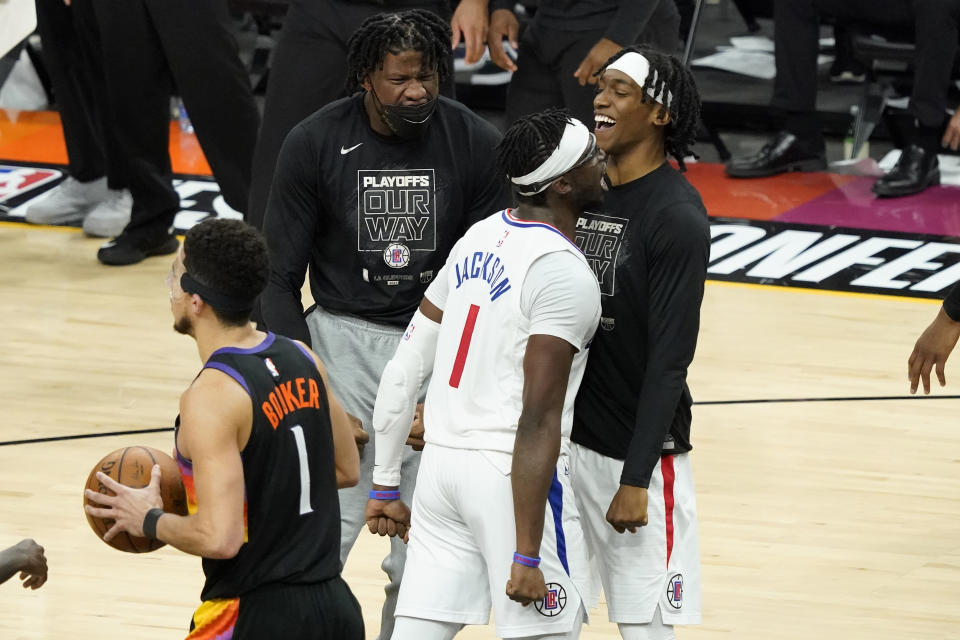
(675, 591)
(554, 602)
(16, 181)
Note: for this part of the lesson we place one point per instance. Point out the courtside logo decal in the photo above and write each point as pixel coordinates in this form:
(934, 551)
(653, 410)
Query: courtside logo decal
(16, 182)
(833, 258)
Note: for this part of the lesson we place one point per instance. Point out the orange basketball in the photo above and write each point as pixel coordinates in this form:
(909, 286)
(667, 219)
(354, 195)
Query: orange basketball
(131, 466)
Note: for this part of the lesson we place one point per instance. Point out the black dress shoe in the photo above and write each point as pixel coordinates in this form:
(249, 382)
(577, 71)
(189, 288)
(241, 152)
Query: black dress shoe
(784, 153)
(916, 170)
(124, 250)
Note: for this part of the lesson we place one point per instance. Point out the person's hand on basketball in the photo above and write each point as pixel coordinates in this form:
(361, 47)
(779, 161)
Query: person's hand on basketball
(596, 58)
(128, 507)
(526, 584)
(388, 518)
(628, 509)
(931, 351)
(503, 24)
(32, 563)
(470, 19)
(415, 439)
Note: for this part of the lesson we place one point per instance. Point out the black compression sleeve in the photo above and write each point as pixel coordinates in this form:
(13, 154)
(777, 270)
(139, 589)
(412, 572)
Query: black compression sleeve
(290, 225)
(680, 250)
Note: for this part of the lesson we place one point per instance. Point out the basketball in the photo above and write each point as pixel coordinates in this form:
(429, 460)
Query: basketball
(131, 466)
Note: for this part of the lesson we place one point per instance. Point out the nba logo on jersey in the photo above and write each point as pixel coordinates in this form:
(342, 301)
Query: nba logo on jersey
(272, 368)
(554, 601)
(675, 591)
(16, 181)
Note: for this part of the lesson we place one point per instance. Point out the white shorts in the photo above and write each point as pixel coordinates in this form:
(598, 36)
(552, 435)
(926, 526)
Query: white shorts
(658, 565)
(462, 540)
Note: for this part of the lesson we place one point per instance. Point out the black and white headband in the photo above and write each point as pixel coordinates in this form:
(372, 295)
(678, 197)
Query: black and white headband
(576, 141)
(637, 67)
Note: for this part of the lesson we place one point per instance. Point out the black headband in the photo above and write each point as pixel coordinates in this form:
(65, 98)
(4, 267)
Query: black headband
(217, 300)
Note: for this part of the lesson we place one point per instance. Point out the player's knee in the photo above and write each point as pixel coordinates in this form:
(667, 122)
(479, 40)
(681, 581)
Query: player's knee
(653, 630)
(407, 628)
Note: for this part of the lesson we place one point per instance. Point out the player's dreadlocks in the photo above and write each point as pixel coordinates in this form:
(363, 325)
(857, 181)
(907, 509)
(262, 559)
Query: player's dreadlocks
(673, 77)
(528, 143)
(412, 30)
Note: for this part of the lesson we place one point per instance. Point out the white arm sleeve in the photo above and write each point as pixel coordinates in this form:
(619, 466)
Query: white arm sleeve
(396, 400)
(561, 298)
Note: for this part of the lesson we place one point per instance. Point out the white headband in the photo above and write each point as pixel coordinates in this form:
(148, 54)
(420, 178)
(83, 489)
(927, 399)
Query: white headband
(576, 139)
(638, 67)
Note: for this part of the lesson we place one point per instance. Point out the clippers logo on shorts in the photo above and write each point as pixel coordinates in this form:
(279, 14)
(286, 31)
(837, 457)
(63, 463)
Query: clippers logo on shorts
(396, 213)
(600, 238)
(554, 602)
(675, 591)
(16, 181)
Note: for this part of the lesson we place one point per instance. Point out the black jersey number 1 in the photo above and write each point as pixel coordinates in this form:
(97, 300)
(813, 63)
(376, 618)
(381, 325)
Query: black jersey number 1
(297, 432)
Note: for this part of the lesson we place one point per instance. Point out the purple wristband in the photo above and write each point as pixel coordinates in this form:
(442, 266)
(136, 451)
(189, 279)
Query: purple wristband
(384, 495)
(526, 561)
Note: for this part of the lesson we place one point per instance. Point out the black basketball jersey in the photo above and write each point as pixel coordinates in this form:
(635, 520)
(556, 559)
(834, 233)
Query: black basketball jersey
(291, 511)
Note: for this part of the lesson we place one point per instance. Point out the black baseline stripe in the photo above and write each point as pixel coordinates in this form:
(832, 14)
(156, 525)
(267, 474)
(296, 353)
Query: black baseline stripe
(841, 399)
(83, 436)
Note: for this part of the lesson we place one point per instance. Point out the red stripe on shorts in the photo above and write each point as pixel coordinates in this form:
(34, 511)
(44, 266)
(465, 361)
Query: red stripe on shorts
(666, 467)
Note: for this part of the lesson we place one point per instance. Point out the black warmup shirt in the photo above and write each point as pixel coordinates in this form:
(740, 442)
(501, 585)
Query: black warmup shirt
(292, 538)
(373, 216)
(622, 20)
(649, 250)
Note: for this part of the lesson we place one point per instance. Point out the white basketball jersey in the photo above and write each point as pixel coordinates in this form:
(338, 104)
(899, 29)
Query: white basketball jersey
(475, 395)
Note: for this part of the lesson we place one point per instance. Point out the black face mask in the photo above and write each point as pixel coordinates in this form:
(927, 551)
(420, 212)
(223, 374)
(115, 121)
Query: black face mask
(406, 121)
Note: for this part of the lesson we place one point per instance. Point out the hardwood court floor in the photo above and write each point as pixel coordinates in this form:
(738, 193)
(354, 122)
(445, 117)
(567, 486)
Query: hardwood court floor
(817, 519)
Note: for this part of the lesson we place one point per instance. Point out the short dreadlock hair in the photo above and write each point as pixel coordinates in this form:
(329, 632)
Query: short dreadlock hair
(674, 77)
(230, 257)
(528, 143)
(412, 30)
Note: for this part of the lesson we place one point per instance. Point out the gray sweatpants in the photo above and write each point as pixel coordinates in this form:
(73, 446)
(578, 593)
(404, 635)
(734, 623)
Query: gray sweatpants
(354, 352)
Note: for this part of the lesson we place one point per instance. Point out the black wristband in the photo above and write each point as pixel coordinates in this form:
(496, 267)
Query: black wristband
(150, 522)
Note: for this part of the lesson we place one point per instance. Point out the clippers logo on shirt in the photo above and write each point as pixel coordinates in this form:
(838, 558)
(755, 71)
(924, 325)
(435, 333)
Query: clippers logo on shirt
(600, 237)
(396, 212)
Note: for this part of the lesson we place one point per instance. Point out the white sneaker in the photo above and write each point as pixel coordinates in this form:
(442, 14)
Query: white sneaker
(69, 201)
(110, 216)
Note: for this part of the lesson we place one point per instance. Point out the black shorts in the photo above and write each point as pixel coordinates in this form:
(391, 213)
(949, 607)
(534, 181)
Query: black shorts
(323, 611)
